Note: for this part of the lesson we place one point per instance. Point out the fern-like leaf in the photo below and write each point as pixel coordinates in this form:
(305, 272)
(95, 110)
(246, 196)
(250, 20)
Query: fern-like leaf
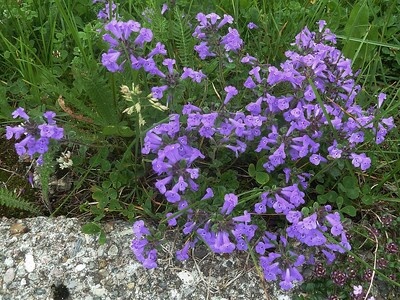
(9, 199)
(182, 35)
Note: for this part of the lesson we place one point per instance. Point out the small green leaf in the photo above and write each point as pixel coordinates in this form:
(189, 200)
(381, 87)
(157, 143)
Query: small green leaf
(353, 193)
(102, 237)
(322, 199)
(366, 189)
(260, 163)
(350, 210)
(90, 228)
(320, 189)
(315, 206)
(252, 170)
(368, 199)
(339, 201)
(262, 177)
(305, 211)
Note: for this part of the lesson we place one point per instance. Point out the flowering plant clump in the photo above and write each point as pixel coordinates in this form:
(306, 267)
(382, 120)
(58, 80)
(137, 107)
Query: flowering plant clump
(297, 118)
(36, 137)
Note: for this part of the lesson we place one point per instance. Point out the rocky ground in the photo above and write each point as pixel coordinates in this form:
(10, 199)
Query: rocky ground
(49, 258)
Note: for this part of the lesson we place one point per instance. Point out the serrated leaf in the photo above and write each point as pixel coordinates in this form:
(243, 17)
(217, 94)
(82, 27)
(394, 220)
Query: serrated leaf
(349, 210)
(90, 228)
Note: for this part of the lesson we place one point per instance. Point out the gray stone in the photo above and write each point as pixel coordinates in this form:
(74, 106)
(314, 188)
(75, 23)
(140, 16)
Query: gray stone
(9, 276)
(53, 255)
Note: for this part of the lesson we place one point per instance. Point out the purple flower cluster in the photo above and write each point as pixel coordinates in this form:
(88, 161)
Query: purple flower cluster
(127, 41)
(141, 247)
(127, 45)
(316, 120)
(211, 40)
(36, 137)
(105, 13)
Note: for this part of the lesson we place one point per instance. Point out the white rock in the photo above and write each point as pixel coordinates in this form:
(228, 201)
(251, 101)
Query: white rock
(186, 277)
(99, 292)
(9, 262)
(23, 282)
(80, 267)
(9, 275)
(113, 251)
(29, 263)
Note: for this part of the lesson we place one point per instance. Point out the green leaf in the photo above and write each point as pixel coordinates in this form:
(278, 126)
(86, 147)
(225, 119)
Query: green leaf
(339, 201)
(102, 237)
(305, 211)
(353, 193)
(315, 206)
(331, 196)
(262, 177)
(349, 210)
(349, 187)
(260, 163)
(367, 199)
(90, 228)
(366, 189)
(117, 130)
(320, 189)
(252, 170)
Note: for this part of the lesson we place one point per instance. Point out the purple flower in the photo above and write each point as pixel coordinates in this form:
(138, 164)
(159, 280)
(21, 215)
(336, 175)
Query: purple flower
(209, 194)
(360, 160)
(204, 50)
(158, 91)
(181, 185)
(183, 253)
(357, 137)
(230, 92)
(145, 35)
(159, 49)
(334, 220)
(164, 8)
(139, 229)
(246, 217)
(316, 159)
(230, 201)
(251, 25)
(286, 283)
(20, 112)
(381, 98)
(150, 261)
(16, 131)
(171, 221)
(109, 60)
(196, 76)
(232, 41)
(172, 196)
(222, 243)
(225, 20)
